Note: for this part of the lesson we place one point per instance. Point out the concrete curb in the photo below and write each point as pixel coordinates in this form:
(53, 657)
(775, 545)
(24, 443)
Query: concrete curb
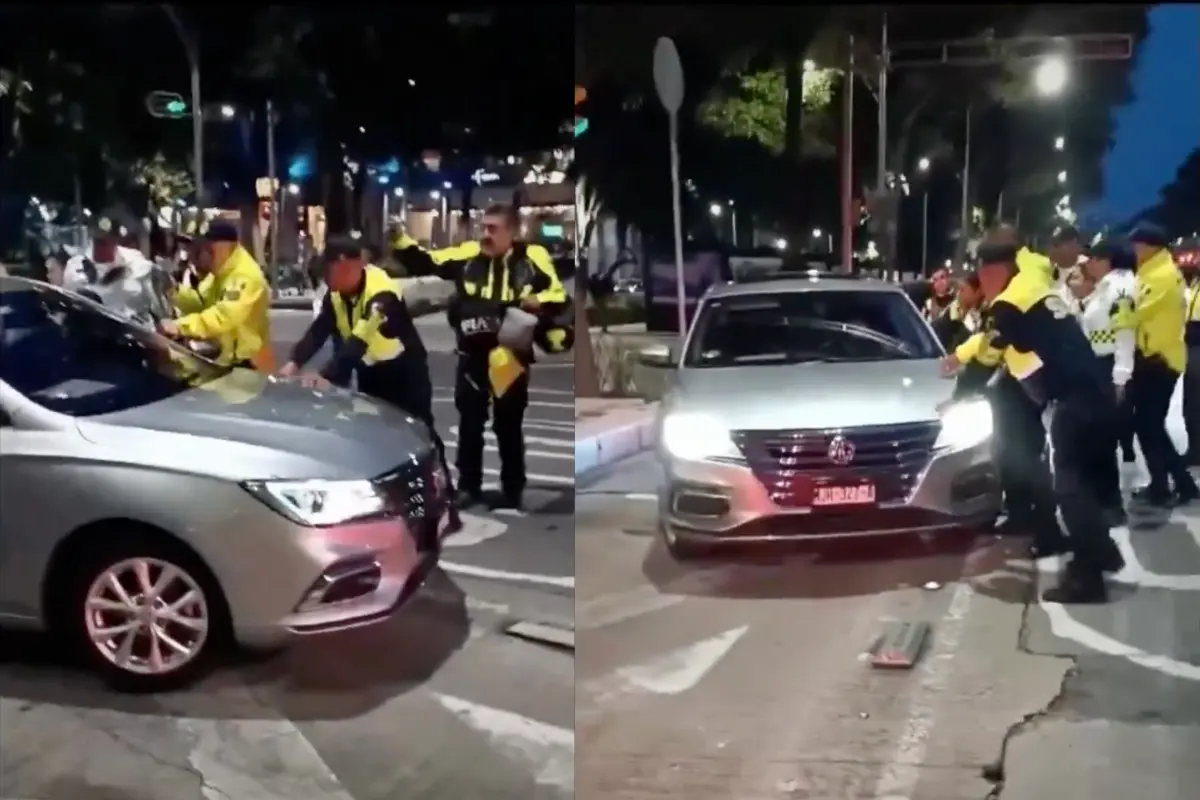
(604, 446)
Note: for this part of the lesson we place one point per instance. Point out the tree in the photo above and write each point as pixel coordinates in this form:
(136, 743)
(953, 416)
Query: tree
(587, 212)
(1178, 209)
(754, 105)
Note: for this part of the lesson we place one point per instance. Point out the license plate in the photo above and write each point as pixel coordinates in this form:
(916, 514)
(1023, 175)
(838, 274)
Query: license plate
(855, 494)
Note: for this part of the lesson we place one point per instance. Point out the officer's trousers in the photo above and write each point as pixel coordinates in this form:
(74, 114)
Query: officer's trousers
(410, 389)
(1074, 423)
(1150, 390)
(1020, 438)
(472, 397)
(1191, 401)
(1106, 472)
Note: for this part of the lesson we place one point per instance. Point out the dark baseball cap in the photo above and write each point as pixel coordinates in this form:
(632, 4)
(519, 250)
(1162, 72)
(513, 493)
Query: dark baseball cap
(1116, 251)
(221, 230)
(1149, 234)
(340, 246)
(997, 253)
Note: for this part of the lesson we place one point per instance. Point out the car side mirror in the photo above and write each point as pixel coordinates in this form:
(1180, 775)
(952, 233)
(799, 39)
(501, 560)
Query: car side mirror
(657, 355)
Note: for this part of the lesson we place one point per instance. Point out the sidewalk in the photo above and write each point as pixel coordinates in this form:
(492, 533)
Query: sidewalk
(608, 430)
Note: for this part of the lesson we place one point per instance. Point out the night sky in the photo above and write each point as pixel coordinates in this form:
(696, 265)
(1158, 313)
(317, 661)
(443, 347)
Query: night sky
(1155, 132)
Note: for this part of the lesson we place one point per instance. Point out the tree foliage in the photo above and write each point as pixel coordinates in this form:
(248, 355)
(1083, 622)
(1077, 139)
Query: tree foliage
(1178, 208)
(753, 105)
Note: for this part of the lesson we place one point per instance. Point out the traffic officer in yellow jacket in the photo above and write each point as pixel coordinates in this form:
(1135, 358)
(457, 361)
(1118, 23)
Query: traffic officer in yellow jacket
(231, 304)
(1191, 378)
(491, 275)
(377, 343)
(1160, 308)
(1043, 347)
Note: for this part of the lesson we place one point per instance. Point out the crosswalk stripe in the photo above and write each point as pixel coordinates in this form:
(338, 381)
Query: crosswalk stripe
(449, 399)
(491, 448)
(548, 441)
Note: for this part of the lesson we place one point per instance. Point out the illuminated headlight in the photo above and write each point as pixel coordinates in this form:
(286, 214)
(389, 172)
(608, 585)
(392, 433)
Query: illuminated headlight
(319, 502)
(965, 425)
(696, 437)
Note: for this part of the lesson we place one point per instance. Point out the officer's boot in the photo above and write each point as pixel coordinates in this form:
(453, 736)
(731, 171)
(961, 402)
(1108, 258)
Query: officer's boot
(1078, 586)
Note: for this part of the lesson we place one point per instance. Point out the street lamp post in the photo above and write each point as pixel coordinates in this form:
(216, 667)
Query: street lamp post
(923, 168)
(193, 57)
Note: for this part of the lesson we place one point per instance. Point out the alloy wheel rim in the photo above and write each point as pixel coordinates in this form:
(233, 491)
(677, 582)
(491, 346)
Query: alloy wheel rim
(147, 616)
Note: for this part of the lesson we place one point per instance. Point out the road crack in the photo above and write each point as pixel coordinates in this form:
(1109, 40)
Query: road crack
(996, 772)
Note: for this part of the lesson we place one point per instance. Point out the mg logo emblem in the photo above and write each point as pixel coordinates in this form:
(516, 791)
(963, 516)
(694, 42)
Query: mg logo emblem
(841, 451)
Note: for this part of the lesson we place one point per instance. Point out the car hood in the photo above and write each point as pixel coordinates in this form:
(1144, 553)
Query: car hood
(249, 425)
(814, 395)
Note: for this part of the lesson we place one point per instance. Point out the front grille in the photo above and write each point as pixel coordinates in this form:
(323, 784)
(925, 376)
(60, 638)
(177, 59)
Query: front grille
(891, 456)
(412, 490)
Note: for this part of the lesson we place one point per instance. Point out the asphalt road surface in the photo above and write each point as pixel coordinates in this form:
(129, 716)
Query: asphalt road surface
(746, 676)
(439, 702)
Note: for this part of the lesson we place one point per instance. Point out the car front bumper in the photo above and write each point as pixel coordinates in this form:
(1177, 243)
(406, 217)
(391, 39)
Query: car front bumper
(714, 502)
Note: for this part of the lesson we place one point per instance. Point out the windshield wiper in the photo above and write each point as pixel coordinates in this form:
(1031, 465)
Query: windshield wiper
(859, 331)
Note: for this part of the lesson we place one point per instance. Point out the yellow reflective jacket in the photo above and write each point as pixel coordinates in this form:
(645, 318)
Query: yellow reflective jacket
(1160, 309)
(1035, 265)
(359, 323)
(235, 313)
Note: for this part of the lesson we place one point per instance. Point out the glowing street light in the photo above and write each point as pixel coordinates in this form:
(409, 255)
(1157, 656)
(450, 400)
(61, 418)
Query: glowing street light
(1062, 176)
(1060, 143)
(923, 165)
(715, 209)
(781, 244)
(817, 232)
(293, 189)
(1051, 76)
(228, 111)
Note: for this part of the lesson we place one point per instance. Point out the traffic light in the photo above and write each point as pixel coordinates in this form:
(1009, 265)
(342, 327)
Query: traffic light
(581, 123)
(167, 105)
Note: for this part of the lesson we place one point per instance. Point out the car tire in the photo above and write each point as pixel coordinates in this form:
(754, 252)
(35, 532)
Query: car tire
(199, 624)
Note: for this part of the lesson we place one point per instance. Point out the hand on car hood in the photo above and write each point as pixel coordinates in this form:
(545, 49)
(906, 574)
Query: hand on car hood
(349, 434)
(814, 394)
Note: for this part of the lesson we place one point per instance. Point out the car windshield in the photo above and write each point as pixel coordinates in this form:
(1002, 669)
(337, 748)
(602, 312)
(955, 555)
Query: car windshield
(72, 357)
(817, 325)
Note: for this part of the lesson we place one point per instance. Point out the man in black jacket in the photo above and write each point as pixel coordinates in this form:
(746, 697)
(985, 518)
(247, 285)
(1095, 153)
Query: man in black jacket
(376, 341)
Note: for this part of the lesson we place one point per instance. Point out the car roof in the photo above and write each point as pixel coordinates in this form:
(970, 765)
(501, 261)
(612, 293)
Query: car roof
(804, 282)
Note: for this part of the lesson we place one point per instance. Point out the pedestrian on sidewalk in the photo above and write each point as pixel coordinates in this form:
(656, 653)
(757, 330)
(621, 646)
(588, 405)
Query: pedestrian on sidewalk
(377, 343)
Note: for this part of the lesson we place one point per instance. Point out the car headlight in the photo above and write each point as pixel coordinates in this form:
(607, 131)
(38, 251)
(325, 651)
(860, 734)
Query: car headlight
(319, 502)
(966, 424)
(695, 437)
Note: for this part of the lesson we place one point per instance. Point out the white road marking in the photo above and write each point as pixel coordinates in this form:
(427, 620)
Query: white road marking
(902, 772)
(475, 530)
(538, 477)
(259, 759)
(471, 571)
(683, 668)
(609, 609)
(1067, 627)
(1134, 573)
(546, 440)
(491, 448)
(548, 750)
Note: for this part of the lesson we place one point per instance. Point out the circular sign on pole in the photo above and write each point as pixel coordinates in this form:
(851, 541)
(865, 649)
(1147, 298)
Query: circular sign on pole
(668, 75)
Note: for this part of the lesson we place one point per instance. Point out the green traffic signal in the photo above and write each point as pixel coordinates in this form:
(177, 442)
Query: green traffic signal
(176, 107)
(581, 126)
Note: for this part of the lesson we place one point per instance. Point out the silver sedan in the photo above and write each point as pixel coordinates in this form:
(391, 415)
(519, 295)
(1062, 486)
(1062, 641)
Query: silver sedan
(155, 507)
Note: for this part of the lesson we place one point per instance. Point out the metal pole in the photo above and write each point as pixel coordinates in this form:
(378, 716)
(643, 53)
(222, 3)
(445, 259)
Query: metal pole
(1000, 208)
(274, 183)
(680, 289)
(193, 57)
(733, 226)
(848, 223)
(925, 232)
(197, 133)
(966, 190)
(884, 65)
